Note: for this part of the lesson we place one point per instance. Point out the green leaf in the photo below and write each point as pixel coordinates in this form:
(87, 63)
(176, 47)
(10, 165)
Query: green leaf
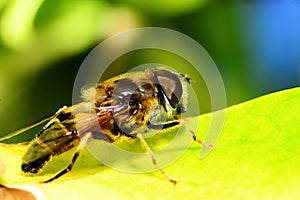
(256, 157)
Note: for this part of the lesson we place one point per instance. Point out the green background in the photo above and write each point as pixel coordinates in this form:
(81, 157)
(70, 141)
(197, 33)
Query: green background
(255, 45)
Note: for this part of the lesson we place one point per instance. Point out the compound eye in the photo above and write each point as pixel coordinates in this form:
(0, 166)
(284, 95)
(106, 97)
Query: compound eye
(171, 86)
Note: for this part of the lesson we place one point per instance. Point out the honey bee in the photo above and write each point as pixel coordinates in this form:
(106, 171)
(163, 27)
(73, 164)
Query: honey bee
(117, 108)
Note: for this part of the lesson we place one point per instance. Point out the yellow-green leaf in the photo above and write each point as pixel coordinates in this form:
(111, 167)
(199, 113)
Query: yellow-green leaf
(256, 157)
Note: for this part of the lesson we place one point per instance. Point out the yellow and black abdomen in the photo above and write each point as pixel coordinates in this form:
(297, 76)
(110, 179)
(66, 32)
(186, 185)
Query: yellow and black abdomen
(56, 137)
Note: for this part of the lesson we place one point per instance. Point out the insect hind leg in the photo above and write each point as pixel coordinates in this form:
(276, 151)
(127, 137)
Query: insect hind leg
(82, 144)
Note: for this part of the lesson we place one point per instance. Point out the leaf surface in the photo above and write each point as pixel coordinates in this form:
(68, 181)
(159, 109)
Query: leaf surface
(256, 157)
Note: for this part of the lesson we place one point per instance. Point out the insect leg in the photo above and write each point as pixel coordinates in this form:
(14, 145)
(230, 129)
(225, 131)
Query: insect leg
(175, 123)
(195, 138)
(82, 144)
(151, 155)
(22, 130)
(163, 126)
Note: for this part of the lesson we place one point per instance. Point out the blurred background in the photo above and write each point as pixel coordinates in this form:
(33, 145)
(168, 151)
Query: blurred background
(255, 45)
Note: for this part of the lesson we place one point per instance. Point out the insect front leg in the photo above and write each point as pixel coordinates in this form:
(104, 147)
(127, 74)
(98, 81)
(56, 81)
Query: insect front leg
(210, 146)
(152, 157)
(82, 144)
(178, 122)
(174, 123)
